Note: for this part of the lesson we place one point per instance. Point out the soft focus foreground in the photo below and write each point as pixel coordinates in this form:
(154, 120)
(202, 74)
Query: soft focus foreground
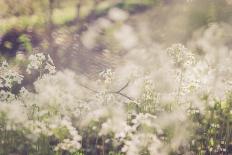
(116, 78)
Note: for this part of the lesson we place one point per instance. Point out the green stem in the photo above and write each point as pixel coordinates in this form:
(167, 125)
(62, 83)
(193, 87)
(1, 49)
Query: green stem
(179, 87)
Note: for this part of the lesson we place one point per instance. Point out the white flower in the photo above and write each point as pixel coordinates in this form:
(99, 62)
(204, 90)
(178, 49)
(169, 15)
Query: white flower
(181, 55)
(39, 62)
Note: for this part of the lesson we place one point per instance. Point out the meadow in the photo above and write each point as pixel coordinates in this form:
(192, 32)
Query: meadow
(117, 78)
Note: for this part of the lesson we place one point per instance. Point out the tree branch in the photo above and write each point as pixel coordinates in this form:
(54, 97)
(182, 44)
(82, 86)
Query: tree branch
(119, 92)
(124, 95)
(124, 87)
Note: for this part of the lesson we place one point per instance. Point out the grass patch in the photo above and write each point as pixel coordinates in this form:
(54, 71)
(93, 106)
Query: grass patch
(60, 17)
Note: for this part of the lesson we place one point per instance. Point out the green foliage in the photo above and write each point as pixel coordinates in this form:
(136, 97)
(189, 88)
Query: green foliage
(115, 153)
(26, 42)
(78, 153)
(61, 16)
(213, 130)
(61, 133)
(132, 5)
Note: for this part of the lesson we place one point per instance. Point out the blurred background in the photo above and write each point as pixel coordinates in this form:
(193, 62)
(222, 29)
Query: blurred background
(88, 36)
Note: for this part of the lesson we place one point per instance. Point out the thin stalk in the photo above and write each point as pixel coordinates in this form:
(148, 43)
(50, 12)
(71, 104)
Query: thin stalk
(103, 146)
(179, 87)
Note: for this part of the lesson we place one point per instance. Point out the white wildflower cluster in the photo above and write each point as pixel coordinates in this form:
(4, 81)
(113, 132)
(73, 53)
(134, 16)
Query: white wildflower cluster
(6, 96)
(143, 135)
(148, 90)
(40, 62)
(144, 119)
(72, 143)
(149, 98)
(143, 144)
(108, 119)
(105, 84)
(108, 77)
(181, 55)
(8, 77)
(37, 128)
(11, 112)
(137, 114)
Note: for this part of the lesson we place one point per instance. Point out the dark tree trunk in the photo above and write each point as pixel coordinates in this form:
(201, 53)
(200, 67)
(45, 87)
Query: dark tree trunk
(50, 25)
(79, 10)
